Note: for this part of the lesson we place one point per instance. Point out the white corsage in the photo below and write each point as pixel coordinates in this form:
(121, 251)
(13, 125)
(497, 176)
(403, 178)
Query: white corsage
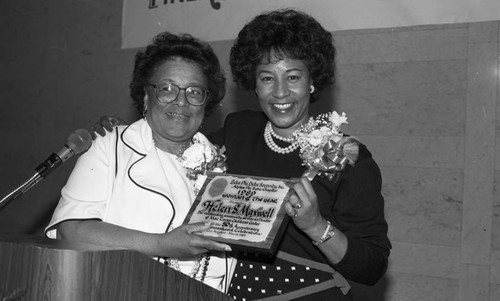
(200, 158)
(324, 149)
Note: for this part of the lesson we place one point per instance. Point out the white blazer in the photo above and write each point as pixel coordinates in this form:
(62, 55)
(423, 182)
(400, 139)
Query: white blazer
(121, 180)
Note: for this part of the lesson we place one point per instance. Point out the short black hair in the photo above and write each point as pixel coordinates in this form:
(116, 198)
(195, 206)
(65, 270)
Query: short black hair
(167, 46)
(287, 33)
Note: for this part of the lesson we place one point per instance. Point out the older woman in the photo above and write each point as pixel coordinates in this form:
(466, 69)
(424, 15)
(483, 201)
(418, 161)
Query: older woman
(131, 189)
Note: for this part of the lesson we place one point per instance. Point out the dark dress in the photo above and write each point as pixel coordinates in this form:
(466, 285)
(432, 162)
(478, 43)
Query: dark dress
(353, 204)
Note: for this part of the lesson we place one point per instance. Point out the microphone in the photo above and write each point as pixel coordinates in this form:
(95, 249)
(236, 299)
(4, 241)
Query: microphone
(77, 142)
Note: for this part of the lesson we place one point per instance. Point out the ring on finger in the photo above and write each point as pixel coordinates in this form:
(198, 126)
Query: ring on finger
(297, 206)
(295, 213)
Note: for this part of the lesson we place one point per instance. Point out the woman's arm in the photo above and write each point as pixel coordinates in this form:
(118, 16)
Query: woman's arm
(359, 247)
(181, 242)
(304, 210)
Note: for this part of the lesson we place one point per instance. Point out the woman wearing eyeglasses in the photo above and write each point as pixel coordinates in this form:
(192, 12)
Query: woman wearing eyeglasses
(132, 189)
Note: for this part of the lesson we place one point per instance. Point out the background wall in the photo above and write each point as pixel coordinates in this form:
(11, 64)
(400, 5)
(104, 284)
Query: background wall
(424, 99)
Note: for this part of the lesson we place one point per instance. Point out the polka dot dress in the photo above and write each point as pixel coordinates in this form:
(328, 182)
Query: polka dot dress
(257, 276)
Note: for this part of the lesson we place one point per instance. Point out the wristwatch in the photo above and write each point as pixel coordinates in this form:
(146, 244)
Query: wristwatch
(329, 233)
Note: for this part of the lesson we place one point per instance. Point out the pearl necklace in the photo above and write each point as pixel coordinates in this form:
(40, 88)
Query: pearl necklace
(268, 137)
(174, 263)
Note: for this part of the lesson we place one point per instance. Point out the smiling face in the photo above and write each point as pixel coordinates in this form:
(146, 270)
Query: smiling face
(176, 122)
(283, 90)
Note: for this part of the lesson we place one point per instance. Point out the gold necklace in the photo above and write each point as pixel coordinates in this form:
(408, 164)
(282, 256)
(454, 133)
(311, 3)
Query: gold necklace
(181, 150)
(174, 262)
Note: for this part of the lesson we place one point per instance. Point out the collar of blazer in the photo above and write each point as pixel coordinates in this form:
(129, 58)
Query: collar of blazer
(145, 168)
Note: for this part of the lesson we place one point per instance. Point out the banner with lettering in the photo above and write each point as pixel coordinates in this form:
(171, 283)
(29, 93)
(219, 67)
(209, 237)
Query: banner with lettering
(215, 20)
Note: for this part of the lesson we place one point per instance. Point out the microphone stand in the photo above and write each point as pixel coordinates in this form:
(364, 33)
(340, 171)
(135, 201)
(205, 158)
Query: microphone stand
(41, 172)
(21, 189)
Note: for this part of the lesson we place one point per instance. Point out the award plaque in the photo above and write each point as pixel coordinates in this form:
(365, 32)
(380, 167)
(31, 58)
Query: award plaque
(245, 212)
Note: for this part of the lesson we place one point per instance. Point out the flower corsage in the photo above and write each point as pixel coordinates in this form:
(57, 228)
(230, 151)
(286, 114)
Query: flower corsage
(325, 150)
(200, 158)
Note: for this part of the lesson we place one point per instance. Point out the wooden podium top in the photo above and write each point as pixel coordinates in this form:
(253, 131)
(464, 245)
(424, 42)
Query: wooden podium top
(45, 242)
(39, 268)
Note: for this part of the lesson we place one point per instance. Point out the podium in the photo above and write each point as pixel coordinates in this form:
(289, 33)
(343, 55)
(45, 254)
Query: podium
(39, 268)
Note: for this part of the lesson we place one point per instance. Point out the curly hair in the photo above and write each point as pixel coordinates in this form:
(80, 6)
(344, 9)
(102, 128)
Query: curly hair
(287, 34)
(167, 46)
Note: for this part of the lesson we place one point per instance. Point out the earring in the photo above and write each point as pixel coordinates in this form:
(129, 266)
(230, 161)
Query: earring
(312, 89)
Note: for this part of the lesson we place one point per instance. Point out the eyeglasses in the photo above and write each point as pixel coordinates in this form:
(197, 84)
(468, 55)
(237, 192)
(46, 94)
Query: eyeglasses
(168, 92)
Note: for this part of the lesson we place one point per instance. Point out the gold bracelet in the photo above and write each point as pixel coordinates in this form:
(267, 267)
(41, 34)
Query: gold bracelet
(329, 233)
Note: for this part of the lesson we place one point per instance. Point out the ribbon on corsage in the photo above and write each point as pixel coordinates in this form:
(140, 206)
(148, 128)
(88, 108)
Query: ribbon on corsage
(325, 150)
